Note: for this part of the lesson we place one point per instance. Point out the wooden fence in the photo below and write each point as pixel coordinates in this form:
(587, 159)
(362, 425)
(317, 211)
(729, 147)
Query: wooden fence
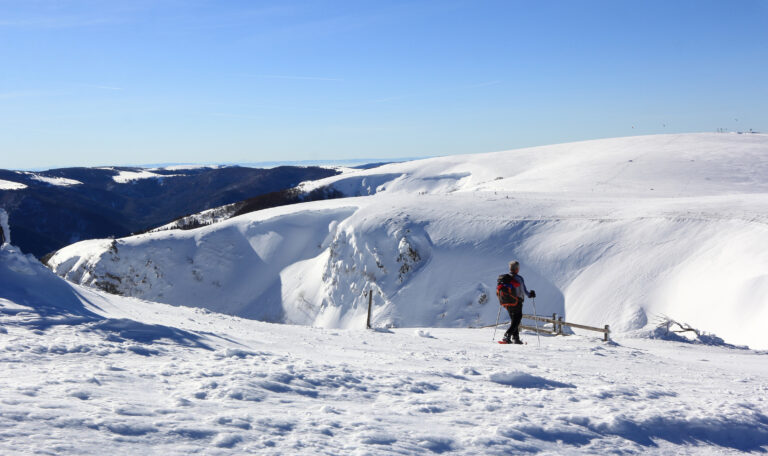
(557, 326)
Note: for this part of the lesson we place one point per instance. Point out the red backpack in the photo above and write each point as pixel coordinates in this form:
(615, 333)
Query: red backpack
(506, 290)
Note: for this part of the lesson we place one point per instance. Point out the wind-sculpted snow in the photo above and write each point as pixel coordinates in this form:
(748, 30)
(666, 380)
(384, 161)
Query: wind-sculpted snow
(608, 232)
(378, 258)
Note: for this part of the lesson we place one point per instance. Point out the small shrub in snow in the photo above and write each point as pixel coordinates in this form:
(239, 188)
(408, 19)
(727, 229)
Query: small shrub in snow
(425, 334)
(669, 329)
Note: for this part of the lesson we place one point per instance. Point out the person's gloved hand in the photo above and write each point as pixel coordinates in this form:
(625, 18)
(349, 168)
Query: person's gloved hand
(533, 293)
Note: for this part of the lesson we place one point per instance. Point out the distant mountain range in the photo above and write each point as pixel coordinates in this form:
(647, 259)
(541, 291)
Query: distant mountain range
(51, 209)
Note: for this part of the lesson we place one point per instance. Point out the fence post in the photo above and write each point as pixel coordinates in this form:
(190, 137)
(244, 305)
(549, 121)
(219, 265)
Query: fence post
(370, 298)
(560, 326)
(554, 323)
(607, 330)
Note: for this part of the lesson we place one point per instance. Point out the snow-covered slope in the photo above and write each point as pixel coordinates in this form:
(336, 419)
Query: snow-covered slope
(85, 372)
(616, 231)
(55, 181)
(9, 185)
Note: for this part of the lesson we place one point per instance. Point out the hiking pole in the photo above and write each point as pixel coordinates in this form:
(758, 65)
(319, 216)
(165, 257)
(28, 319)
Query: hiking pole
(497, 323)
(536, 322)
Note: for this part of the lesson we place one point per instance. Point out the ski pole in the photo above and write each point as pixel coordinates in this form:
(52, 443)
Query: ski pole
(536, 322)
(497, 323)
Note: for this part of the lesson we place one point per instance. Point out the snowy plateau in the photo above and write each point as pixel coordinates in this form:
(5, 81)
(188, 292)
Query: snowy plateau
(247, 336)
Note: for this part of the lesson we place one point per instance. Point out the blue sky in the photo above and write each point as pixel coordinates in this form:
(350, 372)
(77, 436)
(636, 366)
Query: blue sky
(89, 82)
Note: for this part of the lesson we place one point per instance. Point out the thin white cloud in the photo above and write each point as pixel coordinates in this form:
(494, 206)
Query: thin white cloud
(31, 93)
(483, 84)
(388, 99)
(55, 22)
(447, 90)
(22, 94)
(230, 115)
(298, 78)
(103, 87)
(57, 14)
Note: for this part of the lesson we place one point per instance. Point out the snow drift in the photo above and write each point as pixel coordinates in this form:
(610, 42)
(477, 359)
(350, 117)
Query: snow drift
(608, 232)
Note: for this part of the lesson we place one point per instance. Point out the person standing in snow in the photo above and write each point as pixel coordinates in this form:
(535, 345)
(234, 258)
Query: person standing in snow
(512, 291)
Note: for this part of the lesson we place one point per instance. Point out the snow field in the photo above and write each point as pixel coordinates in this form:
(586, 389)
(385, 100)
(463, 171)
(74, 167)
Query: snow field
(10, 185)
(82, 371)
(123, 177)
(284, 389)
(56, 181)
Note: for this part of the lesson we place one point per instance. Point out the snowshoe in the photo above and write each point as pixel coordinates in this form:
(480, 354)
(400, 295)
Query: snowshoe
(512, 342)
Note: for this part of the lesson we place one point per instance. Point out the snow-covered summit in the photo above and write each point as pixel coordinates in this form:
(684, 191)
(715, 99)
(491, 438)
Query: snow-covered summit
(677, 165)
(613, 231)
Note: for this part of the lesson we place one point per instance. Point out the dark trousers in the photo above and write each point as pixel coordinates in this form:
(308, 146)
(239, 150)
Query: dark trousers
(515, 315)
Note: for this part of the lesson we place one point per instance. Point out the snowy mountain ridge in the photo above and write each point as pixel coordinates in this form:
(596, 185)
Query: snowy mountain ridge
(611, 231)
(54, 208)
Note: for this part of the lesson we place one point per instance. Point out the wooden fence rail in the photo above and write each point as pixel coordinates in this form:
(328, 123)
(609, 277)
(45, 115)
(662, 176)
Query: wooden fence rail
(557, 326)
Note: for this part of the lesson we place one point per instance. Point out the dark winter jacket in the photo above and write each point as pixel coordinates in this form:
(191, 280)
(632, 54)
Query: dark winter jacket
(522, 290)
